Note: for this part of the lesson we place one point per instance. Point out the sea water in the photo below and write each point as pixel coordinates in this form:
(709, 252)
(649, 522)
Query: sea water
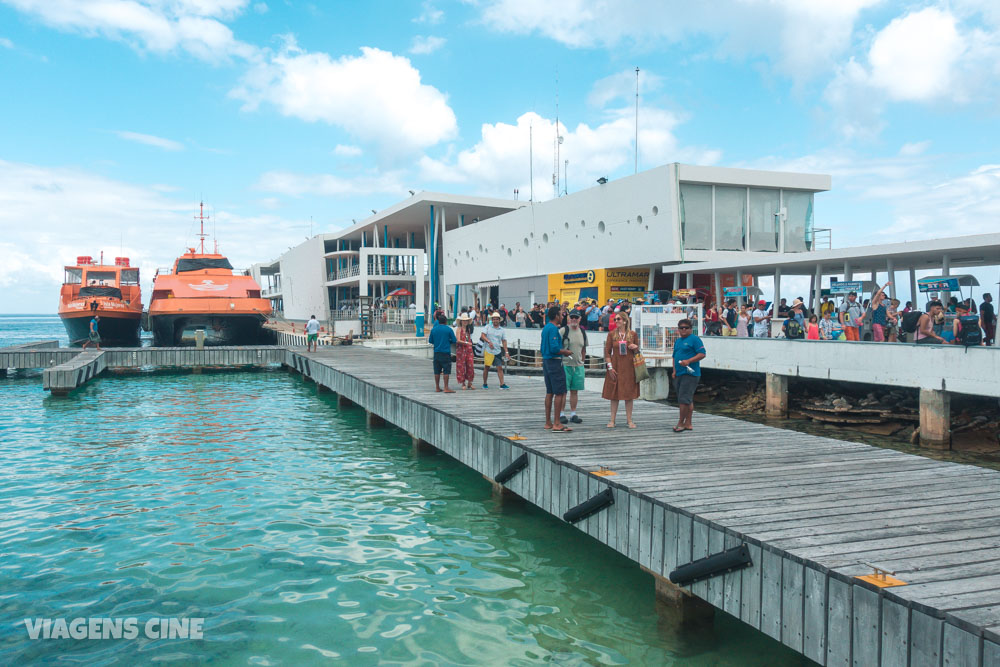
(296, 535)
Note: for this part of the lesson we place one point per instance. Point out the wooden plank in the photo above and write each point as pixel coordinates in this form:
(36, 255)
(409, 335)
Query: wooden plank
(771, 595)
(838, 623)
(926, 639)
(792, 603)
(716, 585)
(699, 550)
(814, 607)
(895, 634)
(750, 595)
(867, 630)
(961, 648)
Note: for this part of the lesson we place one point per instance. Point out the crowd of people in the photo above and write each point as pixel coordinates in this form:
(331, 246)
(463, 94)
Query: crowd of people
(563, 349)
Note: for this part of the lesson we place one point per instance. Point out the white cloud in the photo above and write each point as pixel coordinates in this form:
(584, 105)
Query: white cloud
(49, 216)
(342, 150)
(498, 162)
(329, 185)
(914, 148)
(151, 140)
(6, 43)
(261, 7)
(621, 86)
(159, 26)
(912, 57)
(802, 37)
(425, 45)
(376, 96)
(429, 14)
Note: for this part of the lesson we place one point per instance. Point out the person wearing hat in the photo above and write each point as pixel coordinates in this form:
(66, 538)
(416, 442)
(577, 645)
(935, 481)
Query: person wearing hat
(464, 369)
(494, 338)
(760, 320)
(851, 314)
(574, 339)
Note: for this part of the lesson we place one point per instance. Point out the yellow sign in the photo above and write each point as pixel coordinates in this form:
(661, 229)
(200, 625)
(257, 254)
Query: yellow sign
(598, 284)
(685, 293)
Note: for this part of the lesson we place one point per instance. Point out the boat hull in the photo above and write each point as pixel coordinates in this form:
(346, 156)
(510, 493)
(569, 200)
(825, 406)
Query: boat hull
(116, 331)
(178, 330)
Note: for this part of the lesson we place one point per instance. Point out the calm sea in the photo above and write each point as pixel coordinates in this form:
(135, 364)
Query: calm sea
(299, 535)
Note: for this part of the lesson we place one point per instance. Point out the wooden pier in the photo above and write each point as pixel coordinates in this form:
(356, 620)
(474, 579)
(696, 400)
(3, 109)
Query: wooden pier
(815, 513)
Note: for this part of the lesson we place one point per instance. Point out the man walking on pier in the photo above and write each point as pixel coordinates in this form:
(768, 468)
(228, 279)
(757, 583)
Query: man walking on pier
(688, 352)
(442, 338)
(312, 334)
(552, 370)
(94, 336)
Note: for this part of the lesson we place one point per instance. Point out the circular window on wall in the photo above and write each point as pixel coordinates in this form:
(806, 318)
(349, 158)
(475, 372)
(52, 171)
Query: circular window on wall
(656, 210)
(600, 226)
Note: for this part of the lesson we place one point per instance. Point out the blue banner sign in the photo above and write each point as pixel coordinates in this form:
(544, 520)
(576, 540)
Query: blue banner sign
(734, 291)
(845, 286)
(937, 284)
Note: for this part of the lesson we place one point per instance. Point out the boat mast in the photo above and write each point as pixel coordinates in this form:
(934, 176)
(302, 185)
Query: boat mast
(201, 217)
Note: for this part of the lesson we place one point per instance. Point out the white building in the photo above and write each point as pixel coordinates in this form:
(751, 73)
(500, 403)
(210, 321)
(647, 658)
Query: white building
(625, 237)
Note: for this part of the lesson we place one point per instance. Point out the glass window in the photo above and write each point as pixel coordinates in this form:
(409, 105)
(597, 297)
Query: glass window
(730, 218)
(764, 228)
(696, 216)
(73, 276)
(130, 277)
(799, 220)
(100, 277)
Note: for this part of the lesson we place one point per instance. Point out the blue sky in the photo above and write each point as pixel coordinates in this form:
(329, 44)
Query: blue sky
(120, 115)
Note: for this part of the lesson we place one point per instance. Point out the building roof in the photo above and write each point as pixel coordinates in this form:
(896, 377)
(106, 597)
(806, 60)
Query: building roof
(976, 250)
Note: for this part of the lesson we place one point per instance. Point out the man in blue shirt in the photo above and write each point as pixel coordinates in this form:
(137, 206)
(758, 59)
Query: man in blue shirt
(552, 370)
(688, 352)
(442, 337)
(94, 335)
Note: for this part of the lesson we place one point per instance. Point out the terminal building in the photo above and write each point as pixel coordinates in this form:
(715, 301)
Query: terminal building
(674, 227)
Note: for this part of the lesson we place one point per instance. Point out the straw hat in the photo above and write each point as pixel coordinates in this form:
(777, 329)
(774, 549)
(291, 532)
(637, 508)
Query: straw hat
(463, 317)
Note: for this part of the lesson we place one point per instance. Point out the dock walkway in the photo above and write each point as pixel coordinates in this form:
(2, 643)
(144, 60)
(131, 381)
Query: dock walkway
(815, 512)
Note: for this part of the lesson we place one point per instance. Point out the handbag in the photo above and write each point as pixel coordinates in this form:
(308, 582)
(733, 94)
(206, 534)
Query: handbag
(641, 372)
(488, 358)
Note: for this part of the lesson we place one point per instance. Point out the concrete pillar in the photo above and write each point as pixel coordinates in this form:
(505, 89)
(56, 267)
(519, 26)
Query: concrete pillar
(946, 270)
(818, 294)
(935, 418)
(421, 446)
(657, 387)
(372, 420)
(848, 275)
(890, 269)
(913, 287)
(739, 283)
(500, 492)
(717, 280)
(679, 604)
(776, 395)
(343, 402)
(777, 289)
(688, 284)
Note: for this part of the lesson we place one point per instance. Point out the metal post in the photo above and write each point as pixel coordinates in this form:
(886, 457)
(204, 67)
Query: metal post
(891, 270)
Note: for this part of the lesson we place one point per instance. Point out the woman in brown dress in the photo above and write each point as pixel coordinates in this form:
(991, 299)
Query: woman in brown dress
(619, 381)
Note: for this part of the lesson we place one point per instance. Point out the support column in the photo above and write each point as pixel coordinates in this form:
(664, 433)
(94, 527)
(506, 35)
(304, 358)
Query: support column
(372, 420)
(688, 284)
(935, 418)
(421, 446)
(343, 402)
(679, 605)
(717, 279)
(739, 283)
(818, 295)
(776, 395)
(848, 275)
(946, 270)
(913, 287)
(890, 269)
(418, 292)
(777, 289)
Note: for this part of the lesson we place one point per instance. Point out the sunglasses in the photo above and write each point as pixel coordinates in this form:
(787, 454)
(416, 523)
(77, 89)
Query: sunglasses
(683, 327)
(618, 319)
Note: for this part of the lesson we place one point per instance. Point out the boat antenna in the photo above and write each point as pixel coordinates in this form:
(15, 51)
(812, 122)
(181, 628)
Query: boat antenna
(636, 120)
(215, 237)
(201, 217)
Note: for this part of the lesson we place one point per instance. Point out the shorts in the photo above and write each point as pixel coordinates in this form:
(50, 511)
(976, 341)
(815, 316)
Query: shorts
(442, 363)
(574, 377)
(312, 338)
(555, 378)
(685, 386)
(497, 362)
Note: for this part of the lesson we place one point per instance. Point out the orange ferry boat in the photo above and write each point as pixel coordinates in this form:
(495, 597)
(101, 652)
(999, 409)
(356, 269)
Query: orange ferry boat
(202, 291)
(113, 292)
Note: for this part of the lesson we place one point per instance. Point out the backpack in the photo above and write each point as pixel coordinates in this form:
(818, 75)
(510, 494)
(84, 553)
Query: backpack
(793, 329)
(564, 332)
(730, 316)
(969, 333)
(909, 322)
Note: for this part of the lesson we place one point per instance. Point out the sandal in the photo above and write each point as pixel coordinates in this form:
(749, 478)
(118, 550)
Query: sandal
(679, 429)
(564, 429)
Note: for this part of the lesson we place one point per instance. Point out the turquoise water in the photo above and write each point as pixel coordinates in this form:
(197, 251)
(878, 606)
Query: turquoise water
(19, 329)
(301, 537)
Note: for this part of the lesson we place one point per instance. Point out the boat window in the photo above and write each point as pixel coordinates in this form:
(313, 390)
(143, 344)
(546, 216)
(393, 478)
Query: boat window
(100, 278)
(101, 291)
(73, 276)
(200, 263)
(130, 277)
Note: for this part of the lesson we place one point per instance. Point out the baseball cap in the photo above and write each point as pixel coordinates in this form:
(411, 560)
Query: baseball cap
(761, 302)
(574, 313)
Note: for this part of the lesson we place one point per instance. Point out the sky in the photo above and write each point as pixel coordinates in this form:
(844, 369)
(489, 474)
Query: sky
(293, 118)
